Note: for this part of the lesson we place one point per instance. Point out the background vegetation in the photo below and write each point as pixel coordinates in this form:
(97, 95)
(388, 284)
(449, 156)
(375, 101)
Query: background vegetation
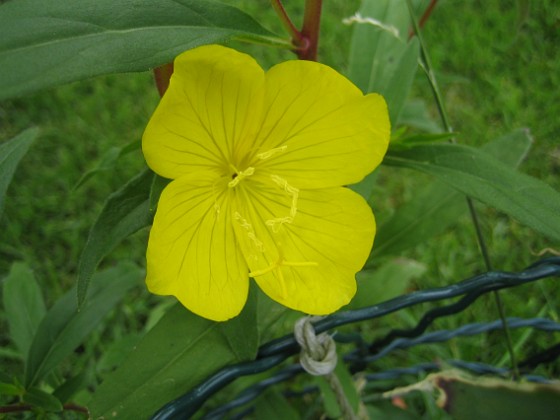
(499, 68)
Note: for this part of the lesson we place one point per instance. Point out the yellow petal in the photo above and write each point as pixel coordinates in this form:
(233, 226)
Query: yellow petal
(308, 263)
(318, 129)
(214, 95)
(192, 251)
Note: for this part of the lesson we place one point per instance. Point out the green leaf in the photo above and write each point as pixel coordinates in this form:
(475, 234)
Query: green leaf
(65, 327)
(241, 332)
(480, 176)
(125, 212)
(385, 282)
(70, 387)
(366, 185)
(490, 399)
(273, 405)
(11, 153)
(49, 42)
(116, 353)
(10, 389)
(437, 206)
(24, 305)
(381, 60)
(41, 399)
(511, 149)
(386, 410)
(432, 210)
(415, 113)
(466, 397)
(177, 354)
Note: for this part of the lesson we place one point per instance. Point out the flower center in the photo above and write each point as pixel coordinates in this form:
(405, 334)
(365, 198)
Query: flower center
(238, 175)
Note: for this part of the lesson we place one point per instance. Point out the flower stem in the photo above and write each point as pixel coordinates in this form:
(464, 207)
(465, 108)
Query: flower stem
(427, 66)
(305, 41)
(424, 18)
(310, 30)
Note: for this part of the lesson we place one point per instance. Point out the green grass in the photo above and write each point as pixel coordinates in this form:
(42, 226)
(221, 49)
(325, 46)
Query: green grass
(499, 69)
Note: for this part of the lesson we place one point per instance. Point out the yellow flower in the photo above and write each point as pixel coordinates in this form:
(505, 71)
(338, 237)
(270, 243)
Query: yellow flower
(258, 161)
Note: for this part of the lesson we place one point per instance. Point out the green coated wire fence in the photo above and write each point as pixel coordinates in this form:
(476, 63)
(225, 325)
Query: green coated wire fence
(273, 353)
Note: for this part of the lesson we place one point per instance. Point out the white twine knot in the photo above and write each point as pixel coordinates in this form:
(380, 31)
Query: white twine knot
(318, 352)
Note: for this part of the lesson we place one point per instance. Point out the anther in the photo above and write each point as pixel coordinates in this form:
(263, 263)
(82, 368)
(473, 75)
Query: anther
(292, 192)
(250, 232)
(272, 152)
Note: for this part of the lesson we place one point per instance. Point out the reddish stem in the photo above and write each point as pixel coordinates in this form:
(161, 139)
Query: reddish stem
(424, 18)
(277, 5)
(305, 41)
(161, 76)
(310, 30)
(18, 408)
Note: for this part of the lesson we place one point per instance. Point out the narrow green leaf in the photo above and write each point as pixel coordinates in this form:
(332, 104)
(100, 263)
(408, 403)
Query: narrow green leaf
(41, 399)
(11, 153)
(511, 149)
(398, 86)
(385, 282)
(24, 305)
(125, 212)
(381, 59)
(108, 161)
(435, 207)
(174, 356)
(480, 176)
(65, 327)
(330, 402)
(49, 42)
(409, 141)
(158, 184)
(70, 387)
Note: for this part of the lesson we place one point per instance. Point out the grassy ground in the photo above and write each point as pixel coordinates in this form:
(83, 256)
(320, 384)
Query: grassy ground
(498, 65)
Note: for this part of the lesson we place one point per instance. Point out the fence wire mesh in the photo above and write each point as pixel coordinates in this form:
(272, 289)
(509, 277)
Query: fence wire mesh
(277, 351)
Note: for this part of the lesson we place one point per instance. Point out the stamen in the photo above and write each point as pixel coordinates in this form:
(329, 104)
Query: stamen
(263, 271)
(294, 193)
(277, 268)
(241, 175)
(250, 232)
(272, 152)
(301, 264)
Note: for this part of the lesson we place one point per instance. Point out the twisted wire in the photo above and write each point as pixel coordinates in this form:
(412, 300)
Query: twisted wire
(276, 351)
(251, 393)
(465, 330)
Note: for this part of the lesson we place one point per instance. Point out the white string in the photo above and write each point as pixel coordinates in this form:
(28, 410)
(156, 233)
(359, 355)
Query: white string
(318, 357)
(318, 352)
